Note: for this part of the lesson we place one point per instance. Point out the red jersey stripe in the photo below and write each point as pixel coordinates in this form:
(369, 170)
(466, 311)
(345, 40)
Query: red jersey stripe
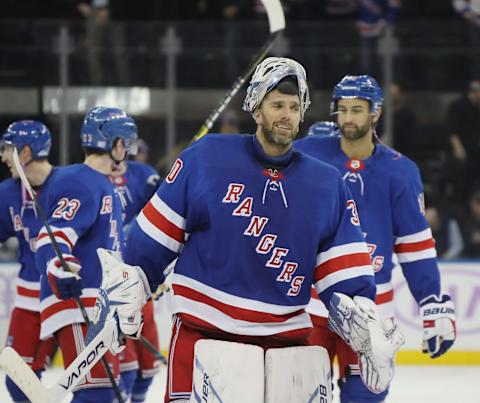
(66, 304)
(340, 263)
(415, 246)
(232, 311)
(26, 292)
(384, 298)
(56, 234)
(162, 223)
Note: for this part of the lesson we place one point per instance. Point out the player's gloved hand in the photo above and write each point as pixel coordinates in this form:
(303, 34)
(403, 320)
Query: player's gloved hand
(126, 288)
(65, 284)
(376, 341)
(439, 332)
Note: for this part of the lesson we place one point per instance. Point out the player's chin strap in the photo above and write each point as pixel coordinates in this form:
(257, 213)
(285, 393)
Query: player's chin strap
(118, 162)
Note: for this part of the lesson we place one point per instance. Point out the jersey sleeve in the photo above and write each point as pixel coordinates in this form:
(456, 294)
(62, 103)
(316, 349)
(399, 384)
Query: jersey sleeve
(343, 262)
(73, 208)
(414, 244)
(160, 231)
(6, 225)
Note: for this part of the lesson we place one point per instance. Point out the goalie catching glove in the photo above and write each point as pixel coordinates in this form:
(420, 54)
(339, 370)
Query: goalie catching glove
(357, 322)
(123, 293)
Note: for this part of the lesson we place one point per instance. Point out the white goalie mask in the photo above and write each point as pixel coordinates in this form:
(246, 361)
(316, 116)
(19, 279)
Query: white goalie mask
(266, 77)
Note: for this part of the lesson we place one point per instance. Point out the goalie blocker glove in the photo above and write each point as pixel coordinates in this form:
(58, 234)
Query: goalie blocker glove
(439, 331)
(65, 284)
(123, 294)
(357, 322)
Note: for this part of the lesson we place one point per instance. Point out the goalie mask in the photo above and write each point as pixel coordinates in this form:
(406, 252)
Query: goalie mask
(363, 87)
(102, 126)
(266, 77)
(30, 133)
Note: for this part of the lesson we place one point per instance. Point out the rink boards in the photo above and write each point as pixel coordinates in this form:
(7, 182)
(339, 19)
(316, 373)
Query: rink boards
(461, 279)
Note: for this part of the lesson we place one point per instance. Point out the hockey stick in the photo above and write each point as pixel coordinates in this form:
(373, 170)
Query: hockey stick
(276, 22)
(19, 371)
(58, 252)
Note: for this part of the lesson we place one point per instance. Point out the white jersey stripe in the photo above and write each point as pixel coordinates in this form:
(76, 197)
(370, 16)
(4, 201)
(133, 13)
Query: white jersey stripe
(342, 275)
(167, 212)
(341, 250)
(238, 302)
(417, 237)
(156, 234)
(228, 324)
(408, 257)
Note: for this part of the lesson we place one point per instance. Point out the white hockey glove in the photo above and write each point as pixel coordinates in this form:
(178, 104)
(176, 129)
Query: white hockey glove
(357, 322)
(439, 332)
(123, 294)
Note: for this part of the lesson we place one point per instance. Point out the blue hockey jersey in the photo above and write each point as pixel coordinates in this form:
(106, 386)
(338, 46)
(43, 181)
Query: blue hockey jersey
(84, 214)
(388, 192)
(19, 218)
(252, 234)
(135, 188)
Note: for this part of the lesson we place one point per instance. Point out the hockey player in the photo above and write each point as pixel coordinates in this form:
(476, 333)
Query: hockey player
(84, 214)
(229, 210)
(135, 182)
(388, 192)
(323, 129)
(18, 218)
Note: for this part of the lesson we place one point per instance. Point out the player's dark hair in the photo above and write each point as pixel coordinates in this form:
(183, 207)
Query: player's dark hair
(93, 151)
(288, 86)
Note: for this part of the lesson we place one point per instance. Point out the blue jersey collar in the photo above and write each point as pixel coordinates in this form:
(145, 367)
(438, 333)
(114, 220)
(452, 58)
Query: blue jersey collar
(279, 162)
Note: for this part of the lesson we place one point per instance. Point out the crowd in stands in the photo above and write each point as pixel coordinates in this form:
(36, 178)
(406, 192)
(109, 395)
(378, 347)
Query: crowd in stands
(447, 150)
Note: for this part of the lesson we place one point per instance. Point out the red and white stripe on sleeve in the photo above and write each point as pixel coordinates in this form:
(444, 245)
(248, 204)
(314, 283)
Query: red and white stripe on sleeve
(413, 247)
(163, 224)
(66, 236)
(341, 263)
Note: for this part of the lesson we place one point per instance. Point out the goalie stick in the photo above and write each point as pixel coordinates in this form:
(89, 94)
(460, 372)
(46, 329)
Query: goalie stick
(58, 252)
(19, 371)
(276, 22)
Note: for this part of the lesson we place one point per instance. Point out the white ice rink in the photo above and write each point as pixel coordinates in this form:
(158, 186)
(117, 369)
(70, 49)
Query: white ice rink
(412, 384)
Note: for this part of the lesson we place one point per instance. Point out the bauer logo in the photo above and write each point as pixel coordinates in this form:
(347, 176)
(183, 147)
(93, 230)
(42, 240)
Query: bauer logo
(462, 282)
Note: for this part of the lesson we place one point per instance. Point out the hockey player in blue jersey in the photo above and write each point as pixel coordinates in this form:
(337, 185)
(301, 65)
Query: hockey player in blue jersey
(18, 218)
(84, 214)
(323, 129)
(135, 183)
(388, 192)
(253, 231)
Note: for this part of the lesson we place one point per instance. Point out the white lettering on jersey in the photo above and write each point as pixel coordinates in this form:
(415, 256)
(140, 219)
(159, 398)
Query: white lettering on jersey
(276, 258)
(296, 286)
(266, 244)
(355, 220)
(289, 268)
(234, 192)
(176, 168)
(67, 208)
(107, 205)
(256, 226)
(244, 209)
(421, 203)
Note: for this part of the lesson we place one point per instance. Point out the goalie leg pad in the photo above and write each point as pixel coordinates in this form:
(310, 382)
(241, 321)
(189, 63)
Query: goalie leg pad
(298, 374)
(227, 372)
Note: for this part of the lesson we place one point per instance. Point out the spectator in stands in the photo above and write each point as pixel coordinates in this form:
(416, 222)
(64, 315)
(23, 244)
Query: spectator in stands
(471, 227)
(105, 42)
(463, 120)
(446, 232)
(470, 11)
(374, 17)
